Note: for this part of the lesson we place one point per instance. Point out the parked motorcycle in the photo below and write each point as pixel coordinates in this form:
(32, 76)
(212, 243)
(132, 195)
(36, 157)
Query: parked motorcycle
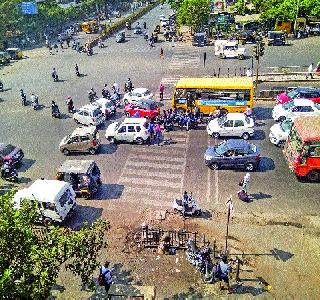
(187, 206)
(200, 258)
(55, 112)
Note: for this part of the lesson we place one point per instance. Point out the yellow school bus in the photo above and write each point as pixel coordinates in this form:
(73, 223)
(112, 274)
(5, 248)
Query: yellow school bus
(232, 94)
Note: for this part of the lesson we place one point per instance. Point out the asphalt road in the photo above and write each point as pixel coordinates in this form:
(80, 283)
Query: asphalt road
(142, 176)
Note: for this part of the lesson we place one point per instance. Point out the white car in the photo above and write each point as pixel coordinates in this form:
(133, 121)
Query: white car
(229, 49)
(107, 106)
(136, 95)
(296, 107)
(232, 124)
(89, 115)
(279, 132)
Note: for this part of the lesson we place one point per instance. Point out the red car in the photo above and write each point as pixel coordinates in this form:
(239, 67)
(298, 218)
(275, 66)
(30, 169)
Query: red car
(142, 109)
(300, 92)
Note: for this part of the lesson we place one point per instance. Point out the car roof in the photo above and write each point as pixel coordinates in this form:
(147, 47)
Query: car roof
(103, 101)
(76, 166)
(146, 101)
(89, 107)
(307, 88)
(134, 121)
(84, 130)
(140, 90)
(229, 43)
(303, 101)
(237, 143)
(236, 116)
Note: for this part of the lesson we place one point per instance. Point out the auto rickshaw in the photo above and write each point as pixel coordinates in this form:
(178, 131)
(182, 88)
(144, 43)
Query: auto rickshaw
(128, 25)
(120, 37)
(15, 53)
(90, 26)
(83, 175)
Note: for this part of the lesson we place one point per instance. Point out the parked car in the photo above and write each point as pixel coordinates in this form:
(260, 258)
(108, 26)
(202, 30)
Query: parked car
(107, 107)
(232, 124)
(121, 37)
(55, 199)
(82, 139)
(233, 154)
(145, 108)
(296, 107)
(300, 92)
(15, 53)
(136, 95)
(10, 153)
(279, 132)
(137, 30)
(89, 115)
(132, 130)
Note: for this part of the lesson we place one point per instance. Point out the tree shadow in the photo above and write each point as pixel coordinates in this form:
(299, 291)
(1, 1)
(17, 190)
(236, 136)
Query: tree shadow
(27, 164)
(263, 113)
(24, 180)
(109, 191)
(7, 187)
(83, 214)
(247, 289)
(259, 135)
(191, 293)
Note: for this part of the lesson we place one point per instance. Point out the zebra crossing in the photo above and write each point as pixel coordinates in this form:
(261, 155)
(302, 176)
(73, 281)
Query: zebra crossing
(184, 61)
(153, 175)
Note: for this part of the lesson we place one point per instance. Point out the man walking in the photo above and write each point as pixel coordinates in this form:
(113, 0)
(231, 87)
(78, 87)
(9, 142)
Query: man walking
(161, 89)
(151, 132)
(158, 133)
(245, 183)
(105, 277)
(310, 71)
(161, 53)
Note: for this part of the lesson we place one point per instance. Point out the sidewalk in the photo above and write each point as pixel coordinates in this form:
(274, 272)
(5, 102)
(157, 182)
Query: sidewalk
(280, 77)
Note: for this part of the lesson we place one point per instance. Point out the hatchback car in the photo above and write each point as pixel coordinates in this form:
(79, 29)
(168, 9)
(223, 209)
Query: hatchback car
(10, 153)
(107, 107)
(232, 124)
(296, 107)
(82, 139)
(136, 95)
(143, 108)
(89, 115)
(137, 30)
(233, 154)
(279, 132)
(131, 130)
(300, 92)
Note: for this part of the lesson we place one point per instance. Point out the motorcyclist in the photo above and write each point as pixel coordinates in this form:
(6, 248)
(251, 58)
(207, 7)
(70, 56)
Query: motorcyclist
(77, 70)
(116, 88)
(70, 105)
(34, 101)
(92, 95)
(129, 85)
(105, 92)
(54, 109)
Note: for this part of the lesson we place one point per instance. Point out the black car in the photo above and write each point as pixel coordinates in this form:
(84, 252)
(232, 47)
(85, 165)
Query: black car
(10, 153)
(247, 36)
(233, 154)
(276, 38)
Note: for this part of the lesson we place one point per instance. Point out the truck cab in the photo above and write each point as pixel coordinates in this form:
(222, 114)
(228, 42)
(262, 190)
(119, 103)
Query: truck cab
(229, 49)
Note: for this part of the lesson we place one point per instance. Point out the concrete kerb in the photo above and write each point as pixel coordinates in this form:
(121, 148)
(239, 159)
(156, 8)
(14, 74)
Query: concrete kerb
(121, 24)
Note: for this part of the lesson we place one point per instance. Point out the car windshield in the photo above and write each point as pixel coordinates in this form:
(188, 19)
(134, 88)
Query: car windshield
(147, 92)
(286, 125)
(293, 94)
(96, 112)
(221, 148)
(317, 106)
(7, 150)
(222, 120)
(288, 105)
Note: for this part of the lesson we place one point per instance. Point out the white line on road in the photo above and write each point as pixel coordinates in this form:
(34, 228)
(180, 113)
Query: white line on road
(184, 164)
(208, 177)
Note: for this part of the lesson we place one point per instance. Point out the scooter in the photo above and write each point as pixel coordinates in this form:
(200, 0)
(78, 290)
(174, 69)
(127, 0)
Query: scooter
(24, 99)
(55, 112)
(35, 104)
(187, 206)
(55, 77)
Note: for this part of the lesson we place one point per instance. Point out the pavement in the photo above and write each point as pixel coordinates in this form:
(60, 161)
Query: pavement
(137, 179)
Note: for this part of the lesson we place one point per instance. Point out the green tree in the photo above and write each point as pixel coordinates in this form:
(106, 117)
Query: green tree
(193, 13)
(174, 4)
(30, 263)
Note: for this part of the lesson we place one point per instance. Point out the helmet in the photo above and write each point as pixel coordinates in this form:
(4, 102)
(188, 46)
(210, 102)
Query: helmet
(69, 97)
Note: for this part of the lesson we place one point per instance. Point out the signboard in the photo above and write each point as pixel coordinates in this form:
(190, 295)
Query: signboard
(29, 8)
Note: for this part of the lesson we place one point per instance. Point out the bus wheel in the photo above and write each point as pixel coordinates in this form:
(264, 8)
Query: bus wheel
(313, 176)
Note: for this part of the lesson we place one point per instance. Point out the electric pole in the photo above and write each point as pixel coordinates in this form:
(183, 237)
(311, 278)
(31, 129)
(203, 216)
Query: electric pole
(258, 52)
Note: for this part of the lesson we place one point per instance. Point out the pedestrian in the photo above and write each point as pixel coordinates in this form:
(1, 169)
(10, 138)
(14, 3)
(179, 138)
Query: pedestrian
(161, 89)
(249, 72)
(245, 183)
(223, 272)
(310, 71)
(144, 25)
(50, 50)
(56, 47)
(248, 112)
(161, 53)
(151, 132)
(158, 133)
(77, 70)
(68, 42)
(105, 276)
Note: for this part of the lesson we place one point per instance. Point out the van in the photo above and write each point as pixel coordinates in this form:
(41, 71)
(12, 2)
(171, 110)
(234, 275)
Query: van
(200, 39)
(132, 130)
(55, 199)
(89, 115)
(82, 139)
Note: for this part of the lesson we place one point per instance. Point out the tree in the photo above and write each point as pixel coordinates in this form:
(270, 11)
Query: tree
(193, 13)
(174, 4)
(30, 263)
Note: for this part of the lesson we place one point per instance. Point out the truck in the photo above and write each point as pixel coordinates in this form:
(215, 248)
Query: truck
(302, 149)
(229, 49)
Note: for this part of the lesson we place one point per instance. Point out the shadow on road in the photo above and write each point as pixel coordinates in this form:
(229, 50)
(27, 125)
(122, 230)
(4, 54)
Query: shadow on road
(259, 196)
(26, 164)
(263, 113)
(259, 135)
(83, 214)
(107, 149)
(266, 164)
(109, 191)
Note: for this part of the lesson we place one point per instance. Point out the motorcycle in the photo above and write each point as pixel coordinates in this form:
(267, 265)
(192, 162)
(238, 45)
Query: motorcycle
(115, 98)
(55, 77)
(187, 206)
(35, 104)
(9, 173)
(55, 112)
(200, 258)
(168, 125)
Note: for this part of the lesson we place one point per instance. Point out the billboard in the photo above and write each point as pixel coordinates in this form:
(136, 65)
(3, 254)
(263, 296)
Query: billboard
(29, 8)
